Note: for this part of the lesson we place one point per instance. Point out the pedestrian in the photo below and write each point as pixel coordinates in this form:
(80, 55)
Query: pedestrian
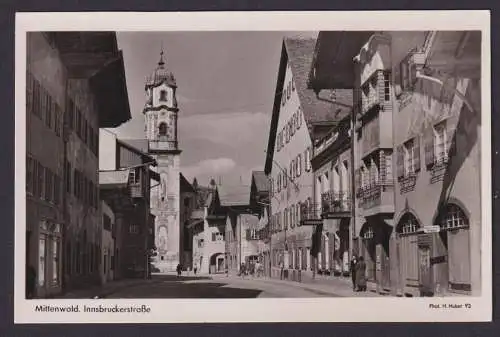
(195, 269)
(30, 281)
(361, 274)
(179, 270)
(282, 268)
(354, 262)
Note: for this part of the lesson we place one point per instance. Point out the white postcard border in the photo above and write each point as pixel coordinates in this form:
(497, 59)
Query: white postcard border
(351, 309)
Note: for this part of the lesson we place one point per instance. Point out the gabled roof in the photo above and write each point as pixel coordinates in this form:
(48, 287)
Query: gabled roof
(141, 145)
(185, 185)
(299, 52)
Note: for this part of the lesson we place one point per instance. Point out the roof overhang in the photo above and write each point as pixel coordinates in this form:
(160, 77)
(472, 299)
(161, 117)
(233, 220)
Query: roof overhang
(110, 89)
(333, 66)
(114, 189)
(95, 56)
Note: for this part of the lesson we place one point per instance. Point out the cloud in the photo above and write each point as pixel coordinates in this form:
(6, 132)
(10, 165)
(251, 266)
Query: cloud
(237, 129)
(209, 168)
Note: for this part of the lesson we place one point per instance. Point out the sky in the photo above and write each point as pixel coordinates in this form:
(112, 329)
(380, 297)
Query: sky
(226, 83)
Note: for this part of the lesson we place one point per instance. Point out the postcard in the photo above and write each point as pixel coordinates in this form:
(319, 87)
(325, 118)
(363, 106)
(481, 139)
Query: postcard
(253, 167)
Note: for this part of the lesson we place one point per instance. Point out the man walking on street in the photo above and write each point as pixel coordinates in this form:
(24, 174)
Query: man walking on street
(354, 261)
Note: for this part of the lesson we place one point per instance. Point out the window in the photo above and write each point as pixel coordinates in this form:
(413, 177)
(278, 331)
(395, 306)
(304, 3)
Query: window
(57, 119)
(409, 157)
(134, 229)
(41, 260)
(299, 165)
(368, 234)
(200, 243)
(57, 189)
(162, 129)
(163, 96)
(29, 174)
(454, 218)
(78, 123)
(440, 150)
(40, 182)
(307, 157)
(55, 261)
(387, 86)
(292, 216)
(106, 222)
(407, 72)
(409, 226)
(285, 178)
(48, 110)
(135, 176)
(70, 114)
(49, 189)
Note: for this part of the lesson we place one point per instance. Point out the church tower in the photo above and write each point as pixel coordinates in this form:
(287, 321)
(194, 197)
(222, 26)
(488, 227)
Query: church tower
(160, 115)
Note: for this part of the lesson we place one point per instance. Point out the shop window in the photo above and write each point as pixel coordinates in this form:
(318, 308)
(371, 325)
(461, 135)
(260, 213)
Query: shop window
(42, 263)
(55, 261)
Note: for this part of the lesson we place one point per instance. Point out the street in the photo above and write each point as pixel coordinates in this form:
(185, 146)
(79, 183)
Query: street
(220, 286)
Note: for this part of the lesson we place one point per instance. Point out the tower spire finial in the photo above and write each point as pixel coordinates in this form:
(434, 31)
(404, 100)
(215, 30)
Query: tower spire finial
(161, 63)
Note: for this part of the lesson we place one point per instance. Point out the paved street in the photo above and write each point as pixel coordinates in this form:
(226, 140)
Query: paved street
(220, 286)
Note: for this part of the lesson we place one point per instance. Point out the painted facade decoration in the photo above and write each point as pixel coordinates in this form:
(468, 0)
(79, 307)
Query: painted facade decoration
(160, 113)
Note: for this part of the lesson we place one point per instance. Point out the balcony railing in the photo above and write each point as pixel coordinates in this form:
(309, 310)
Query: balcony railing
(371, 195)
(310, 213)
(162, 145)
(335, 202)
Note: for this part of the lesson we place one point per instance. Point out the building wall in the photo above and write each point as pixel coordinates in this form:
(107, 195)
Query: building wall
(108, 244)
(187, 205)
(45, 148)
(421, 196)
(296, 237)
(208, 254)
(83, 235)
(107, 150)
(166, 205)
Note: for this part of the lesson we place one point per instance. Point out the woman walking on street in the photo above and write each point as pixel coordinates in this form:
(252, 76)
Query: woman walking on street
(354, 262)
(361, 274)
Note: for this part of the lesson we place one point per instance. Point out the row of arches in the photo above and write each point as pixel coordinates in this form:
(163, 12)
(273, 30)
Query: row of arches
(452, 222)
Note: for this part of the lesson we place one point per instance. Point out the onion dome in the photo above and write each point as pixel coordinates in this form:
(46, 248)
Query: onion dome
(161, 74)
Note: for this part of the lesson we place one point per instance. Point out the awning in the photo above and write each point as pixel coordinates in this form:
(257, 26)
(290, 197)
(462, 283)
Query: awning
(113, 179)
(154, 175)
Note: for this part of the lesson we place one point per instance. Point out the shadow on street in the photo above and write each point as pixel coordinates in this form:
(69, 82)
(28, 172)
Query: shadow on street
(171, 286)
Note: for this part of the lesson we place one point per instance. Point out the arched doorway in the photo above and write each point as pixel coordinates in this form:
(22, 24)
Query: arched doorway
(368, 250)
(454, 270)
(217, 264)
(406, 231)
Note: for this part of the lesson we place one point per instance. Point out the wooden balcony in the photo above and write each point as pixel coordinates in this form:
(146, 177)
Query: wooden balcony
(335, 205)
(377, 197)
(310, 214)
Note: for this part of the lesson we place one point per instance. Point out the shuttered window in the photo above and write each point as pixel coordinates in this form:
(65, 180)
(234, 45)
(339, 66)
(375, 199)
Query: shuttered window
(429, 146)
(299, 165)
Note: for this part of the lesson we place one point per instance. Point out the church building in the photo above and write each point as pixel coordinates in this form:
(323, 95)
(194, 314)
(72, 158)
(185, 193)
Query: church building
(160, 114)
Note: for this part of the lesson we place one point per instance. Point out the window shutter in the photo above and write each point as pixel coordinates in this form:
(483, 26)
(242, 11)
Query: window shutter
(292, 216)
(299, 165)
(285, 178)
(292, 169)
(299, 113)
(247, 234)
(429, 146)
(357, 179)
(416, 153)
(400, 169)
(450, 140)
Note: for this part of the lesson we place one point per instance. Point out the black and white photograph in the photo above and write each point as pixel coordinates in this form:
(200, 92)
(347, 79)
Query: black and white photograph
(324, 168)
